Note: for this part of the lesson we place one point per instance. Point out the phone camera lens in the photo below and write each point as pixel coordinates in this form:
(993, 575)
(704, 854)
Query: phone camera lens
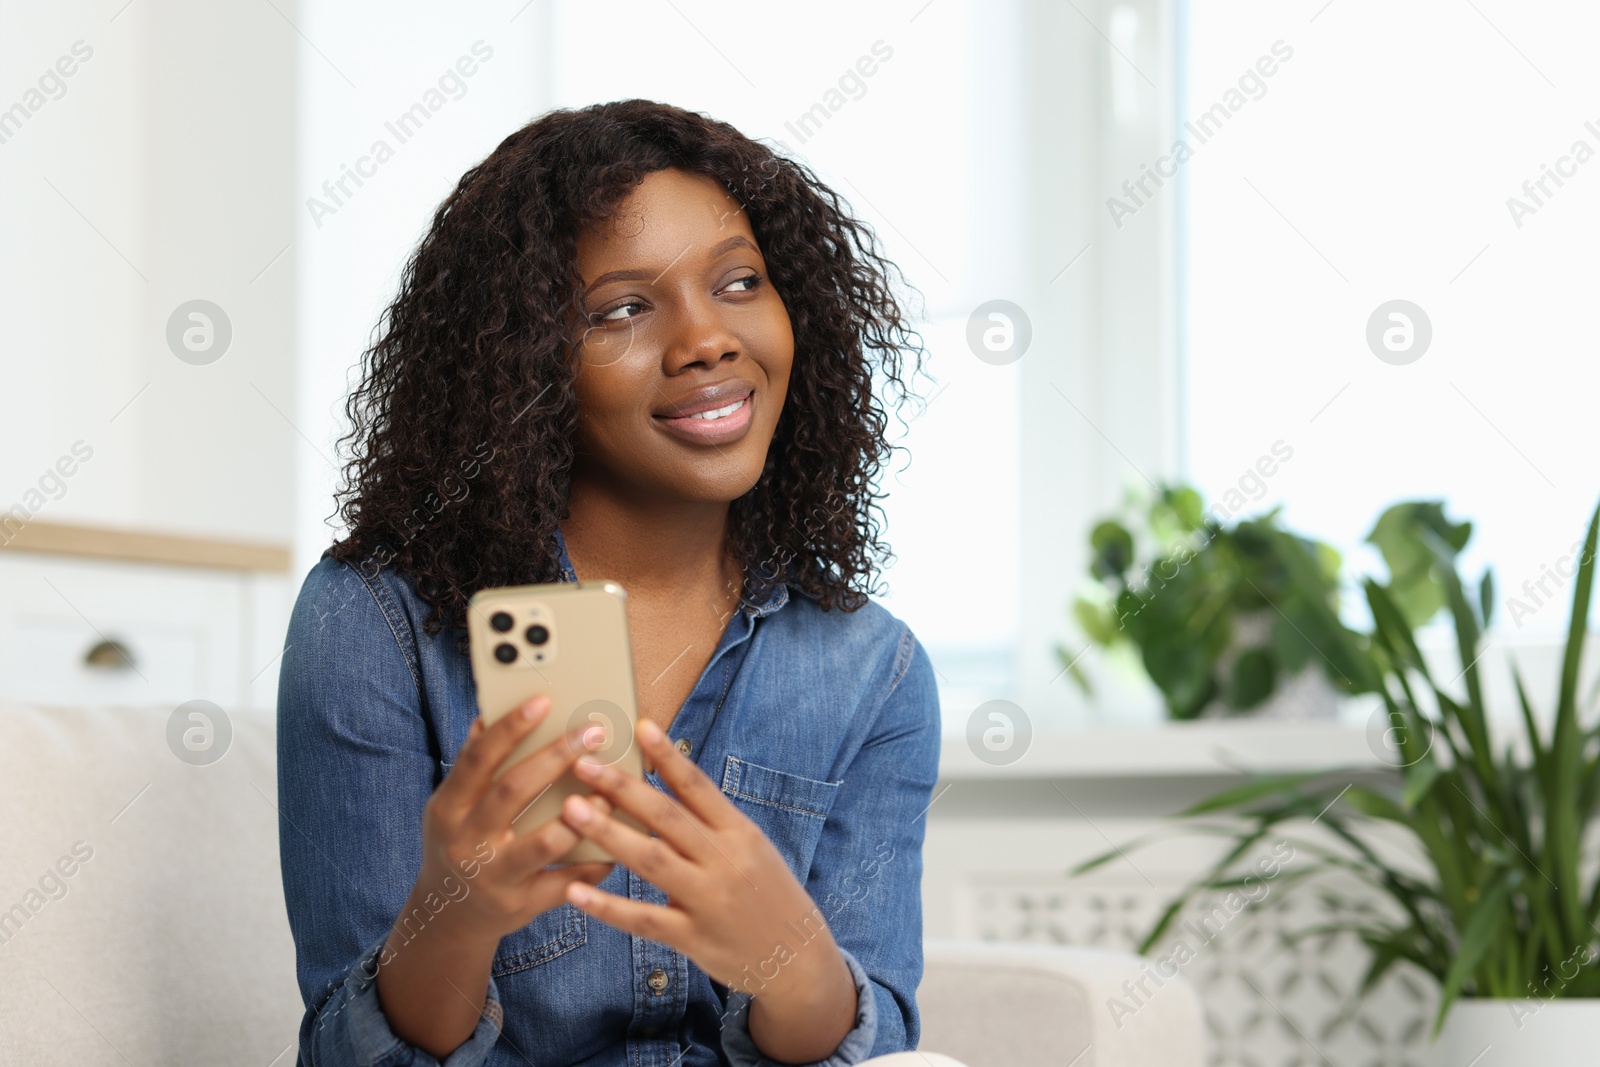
(500, 621)
(537, 635)
(505, 653)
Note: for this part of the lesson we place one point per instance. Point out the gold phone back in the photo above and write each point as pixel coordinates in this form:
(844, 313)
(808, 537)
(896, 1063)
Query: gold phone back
(585, 665)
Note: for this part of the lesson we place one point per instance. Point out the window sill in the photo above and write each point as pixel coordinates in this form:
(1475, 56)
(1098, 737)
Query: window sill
(1173, 749)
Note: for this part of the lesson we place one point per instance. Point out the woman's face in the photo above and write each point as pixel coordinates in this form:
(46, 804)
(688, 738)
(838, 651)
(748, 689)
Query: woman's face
(679, 304)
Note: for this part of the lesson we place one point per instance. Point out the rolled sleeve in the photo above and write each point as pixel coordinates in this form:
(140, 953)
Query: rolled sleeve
(351, 1027)
(856, 1046)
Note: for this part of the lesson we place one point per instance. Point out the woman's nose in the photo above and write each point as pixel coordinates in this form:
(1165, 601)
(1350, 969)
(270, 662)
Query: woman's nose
(700, 335)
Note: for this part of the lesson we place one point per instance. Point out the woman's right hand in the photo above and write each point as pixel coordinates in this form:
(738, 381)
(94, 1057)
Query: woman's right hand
(467, 834)
(434, 971)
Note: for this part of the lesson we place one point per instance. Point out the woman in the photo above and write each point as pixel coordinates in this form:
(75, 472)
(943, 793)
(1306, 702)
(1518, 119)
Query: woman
(633, 345)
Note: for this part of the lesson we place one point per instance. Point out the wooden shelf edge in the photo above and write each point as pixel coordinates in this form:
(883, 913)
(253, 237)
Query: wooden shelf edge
(143, 547)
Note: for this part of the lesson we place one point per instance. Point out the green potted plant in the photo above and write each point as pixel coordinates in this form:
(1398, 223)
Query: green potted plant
(1503, 914)
(1221, 614)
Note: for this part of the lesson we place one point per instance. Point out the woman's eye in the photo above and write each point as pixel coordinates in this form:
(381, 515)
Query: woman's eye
(611, 316)
(753, 280)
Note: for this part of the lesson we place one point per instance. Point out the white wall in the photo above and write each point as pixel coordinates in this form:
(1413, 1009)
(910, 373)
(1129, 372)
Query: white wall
(162, 174)
(371, 62)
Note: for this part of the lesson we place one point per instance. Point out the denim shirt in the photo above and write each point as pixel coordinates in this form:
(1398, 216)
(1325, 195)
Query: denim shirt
(821, 726)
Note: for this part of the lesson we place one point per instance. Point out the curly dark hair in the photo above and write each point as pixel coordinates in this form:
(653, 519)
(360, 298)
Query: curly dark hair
(462, 436)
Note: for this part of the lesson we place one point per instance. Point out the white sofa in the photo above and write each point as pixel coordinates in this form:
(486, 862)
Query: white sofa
(142, 922)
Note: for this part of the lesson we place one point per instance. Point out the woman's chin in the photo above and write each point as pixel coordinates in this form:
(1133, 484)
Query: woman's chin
(722, 486)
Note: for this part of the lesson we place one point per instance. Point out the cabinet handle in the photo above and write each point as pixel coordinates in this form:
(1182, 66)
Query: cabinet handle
(109, 656)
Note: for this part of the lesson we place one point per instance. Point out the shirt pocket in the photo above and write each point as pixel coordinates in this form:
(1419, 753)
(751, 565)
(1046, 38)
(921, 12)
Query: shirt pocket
(789, 808)
(561, 929)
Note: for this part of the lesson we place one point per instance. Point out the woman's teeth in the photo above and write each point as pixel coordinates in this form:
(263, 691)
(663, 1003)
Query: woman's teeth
(718, 413)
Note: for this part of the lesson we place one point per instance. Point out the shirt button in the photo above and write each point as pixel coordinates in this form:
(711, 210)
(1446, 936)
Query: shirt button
(657, 981)
(684, 745)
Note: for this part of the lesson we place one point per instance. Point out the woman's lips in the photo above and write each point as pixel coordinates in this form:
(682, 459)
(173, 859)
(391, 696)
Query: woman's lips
(730, 427)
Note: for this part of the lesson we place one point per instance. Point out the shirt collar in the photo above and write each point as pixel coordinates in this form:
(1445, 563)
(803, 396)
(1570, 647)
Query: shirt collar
(765, 596)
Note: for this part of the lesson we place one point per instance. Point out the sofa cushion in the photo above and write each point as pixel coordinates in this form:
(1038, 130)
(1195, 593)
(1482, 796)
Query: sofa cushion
(141, 905)
(995, 1004)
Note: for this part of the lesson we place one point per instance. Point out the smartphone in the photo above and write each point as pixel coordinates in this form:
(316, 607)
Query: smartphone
(569, 641)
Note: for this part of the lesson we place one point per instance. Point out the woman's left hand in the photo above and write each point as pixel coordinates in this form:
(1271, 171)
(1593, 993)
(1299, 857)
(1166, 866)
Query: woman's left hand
(734, 907)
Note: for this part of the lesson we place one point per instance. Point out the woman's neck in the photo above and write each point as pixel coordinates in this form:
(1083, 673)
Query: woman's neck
(656, 548)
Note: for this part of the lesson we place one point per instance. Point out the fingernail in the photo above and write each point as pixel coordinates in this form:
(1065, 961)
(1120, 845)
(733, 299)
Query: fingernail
(649, 731)
(594, 736)
(586, 767)
(580, 811)
(580, 894)
(533, 708)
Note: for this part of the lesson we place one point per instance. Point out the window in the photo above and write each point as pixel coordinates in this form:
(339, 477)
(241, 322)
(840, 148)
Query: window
(1435, 154)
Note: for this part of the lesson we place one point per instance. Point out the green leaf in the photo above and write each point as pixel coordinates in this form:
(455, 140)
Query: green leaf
(1183, 674)
(1252, 678)
(1277, 785)
(1564, 835)
(1393, 629)
(1167, 915)
(1541, 756)
(1186, 507)
(1420, 779)
(1097, 621)
(1129, 611)
(1347, 662)
(1111, 548)
(1370, 802)
(1328, 560)
(1090, 864)
(1467, 631)
(1290, 644)
(1069, 663)
(1480, 929)
(1398, 536)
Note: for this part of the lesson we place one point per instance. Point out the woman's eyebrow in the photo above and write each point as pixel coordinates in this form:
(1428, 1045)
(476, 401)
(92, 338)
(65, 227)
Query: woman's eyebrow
(720, 248)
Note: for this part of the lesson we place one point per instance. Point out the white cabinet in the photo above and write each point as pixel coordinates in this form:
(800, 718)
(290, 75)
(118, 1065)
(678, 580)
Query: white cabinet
(76, 630)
